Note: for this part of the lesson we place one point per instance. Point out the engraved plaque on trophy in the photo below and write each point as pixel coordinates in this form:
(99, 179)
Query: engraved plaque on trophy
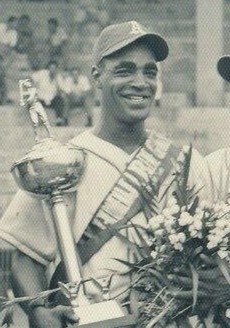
(51, 168)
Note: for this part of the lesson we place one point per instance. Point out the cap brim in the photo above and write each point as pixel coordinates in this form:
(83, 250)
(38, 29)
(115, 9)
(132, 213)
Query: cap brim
(223, 67)
(158, 45)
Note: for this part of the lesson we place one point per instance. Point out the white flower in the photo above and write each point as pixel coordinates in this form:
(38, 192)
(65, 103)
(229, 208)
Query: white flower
(169, 224)
(171, 201)
(185, 219)
(222, 223)
(193, 233)
(197, 225)
(222, 253)
(169, 211)
(162, 248)
(199, 235)
(156, 221)
(178, 246)
(211, 244)
(154, 225)
(225, 240)
(175, 209)
(159, 232)
(177, 238)
(206, 215)
(182, 237)
(214, 240)
(154, 254)
(173, 239)
(199, 215)
(220, 234)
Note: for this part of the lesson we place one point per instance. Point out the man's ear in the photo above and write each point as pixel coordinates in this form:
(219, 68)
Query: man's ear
(96, 76)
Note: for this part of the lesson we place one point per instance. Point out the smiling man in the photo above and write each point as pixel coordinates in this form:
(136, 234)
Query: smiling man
(219, 161)
(122, 158)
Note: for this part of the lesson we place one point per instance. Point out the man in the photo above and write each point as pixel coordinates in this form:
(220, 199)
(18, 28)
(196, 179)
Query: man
(25, 35)
(79, 92)
(219, 161)
(57, 39)
(3, 84)
(121, 156)
(218, 164)
(50, 88)
(8, 34)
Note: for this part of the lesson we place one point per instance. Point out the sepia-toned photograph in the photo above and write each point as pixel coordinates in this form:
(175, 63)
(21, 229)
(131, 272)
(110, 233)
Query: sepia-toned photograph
(114, 163)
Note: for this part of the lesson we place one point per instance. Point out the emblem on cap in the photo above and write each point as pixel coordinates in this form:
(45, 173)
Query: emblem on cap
(136, 28)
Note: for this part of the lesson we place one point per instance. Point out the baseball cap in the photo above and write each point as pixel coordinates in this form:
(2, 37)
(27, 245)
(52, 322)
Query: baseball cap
(117, 36)
(223, 67)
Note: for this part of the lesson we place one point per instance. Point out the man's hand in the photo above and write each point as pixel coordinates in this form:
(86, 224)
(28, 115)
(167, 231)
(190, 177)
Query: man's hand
(57, 317)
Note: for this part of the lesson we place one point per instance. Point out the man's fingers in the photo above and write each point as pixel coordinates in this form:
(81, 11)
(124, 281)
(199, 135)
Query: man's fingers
(187, 294)
(210, 275)
(208, 261)
(66, 314)
(185, 282)
(70, 317)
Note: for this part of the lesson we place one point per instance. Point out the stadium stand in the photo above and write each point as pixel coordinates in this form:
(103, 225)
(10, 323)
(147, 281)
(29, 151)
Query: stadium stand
(82, 20)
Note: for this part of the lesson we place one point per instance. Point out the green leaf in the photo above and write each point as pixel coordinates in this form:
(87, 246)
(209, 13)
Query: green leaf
(193, 208)
(167, 189)
(186, 167)
(130, 265)
(195, 283)
(159, 317)
(223, 266)
(144, 243)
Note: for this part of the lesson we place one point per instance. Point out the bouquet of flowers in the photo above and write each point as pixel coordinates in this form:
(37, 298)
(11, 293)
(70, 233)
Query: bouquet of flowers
(178, 235)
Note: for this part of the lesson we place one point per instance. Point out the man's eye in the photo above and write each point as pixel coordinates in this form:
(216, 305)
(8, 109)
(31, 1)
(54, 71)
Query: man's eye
(151, 73)
(123, 72)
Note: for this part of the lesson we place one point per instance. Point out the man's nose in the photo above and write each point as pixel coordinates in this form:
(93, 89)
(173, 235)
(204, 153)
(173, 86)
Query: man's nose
(139, 79)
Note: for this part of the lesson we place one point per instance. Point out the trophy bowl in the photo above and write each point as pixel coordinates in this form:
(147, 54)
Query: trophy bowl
(49, 166)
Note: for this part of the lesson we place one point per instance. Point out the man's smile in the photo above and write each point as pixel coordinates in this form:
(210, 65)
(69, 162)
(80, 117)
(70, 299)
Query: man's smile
(135, 98)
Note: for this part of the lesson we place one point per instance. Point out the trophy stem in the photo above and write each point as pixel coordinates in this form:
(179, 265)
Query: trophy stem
(106, 314)
(68, 250)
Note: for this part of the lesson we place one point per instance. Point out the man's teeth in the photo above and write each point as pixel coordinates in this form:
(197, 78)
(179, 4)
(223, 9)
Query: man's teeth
(136, 98)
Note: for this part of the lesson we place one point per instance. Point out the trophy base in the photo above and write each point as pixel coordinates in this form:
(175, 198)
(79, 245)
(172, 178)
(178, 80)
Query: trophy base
(107, 314)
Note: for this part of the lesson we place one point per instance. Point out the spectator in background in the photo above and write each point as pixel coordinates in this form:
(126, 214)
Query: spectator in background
(8, 40)
(50, 89)
(25, 40)
(8, 34)
(3, 87)
(79, 92)
(57, 40)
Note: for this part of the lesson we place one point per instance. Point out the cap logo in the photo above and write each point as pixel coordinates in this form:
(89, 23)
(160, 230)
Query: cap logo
(136, 28)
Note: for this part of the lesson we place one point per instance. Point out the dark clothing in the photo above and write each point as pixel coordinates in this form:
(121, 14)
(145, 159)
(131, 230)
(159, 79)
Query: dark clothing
(58, 105)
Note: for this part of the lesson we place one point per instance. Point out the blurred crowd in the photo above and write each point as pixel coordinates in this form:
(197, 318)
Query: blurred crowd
(64, 90)
(62, 84)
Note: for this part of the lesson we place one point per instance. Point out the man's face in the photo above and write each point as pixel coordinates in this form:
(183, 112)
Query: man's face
(128, 84)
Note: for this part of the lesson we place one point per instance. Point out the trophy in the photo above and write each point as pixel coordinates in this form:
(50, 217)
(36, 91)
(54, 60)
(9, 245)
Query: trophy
(50, 169)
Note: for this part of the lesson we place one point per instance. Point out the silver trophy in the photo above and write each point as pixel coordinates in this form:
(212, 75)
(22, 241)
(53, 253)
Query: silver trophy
(51, 168)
